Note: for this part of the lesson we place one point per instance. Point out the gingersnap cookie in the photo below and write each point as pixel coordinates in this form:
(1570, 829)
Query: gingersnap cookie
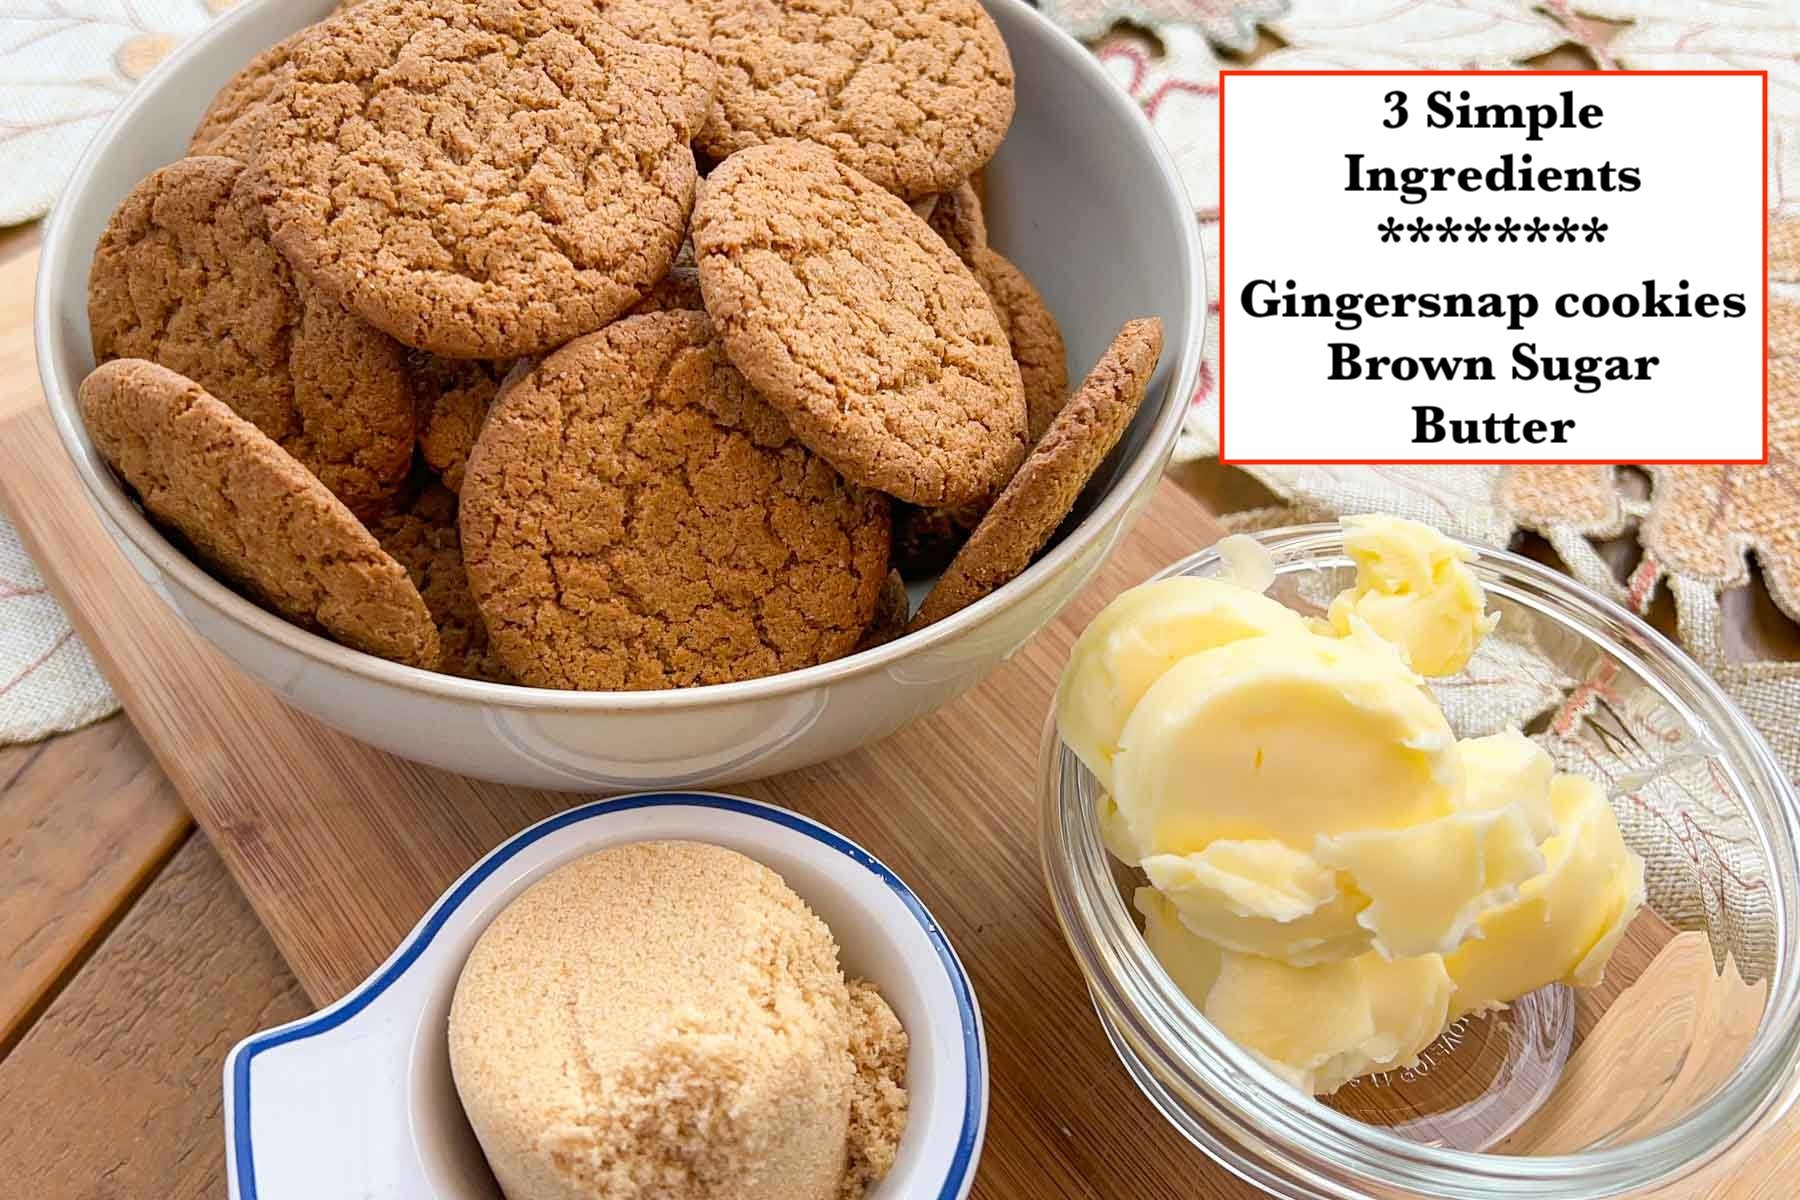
(253, 513)
(926, 539)
(891, 609)
(424, 540)
(635, 516)
(857, 322)
(185, 276)
(487, 180)
(1034, 504)
(914, 94)
(1031, 329)
(451, 397)
(1034, 335)
(956, 216)
(233, 123)
(678, 291)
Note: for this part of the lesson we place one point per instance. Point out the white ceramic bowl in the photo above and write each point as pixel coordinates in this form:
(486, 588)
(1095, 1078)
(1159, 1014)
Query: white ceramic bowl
(357, 1099)
(1082, 197)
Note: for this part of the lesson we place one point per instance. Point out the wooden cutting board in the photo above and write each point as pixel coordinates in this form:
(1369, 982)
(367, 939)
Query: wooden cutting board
(341, 847)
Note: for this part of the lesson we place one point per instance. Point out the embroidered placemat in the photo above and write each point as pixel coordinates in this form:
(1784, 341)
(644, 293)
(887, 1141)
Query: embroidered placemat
(64, 66)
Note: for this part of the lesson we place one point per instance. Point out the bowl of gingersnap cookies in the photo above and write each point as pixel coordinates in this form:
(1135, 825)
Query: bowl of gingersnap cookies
(596, 394)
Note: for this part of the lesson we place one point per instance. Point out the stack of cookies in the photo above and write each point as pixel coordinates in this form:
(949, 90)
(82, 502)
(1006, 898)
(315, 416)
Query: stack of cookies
(439, 345)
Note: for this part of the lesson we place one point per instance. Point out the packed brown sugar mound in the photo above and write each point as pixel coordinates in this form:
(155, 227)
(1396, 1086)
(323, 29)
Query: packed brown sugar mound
(487, 180)
(635, 516)
(668, 1021)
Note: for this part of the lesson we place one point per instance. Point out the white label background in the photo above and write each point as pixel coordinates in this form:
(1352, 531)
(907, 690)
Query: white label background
(1697, 143)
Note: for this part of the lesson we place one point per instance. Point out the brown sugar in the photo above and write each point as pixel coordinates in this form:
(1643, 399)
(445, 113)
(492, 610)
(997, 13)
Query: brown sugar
(667, 1021)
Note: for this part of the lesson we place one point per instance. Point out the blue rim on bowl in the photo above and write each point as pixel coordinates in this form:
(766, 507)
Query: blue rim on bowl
(974, 1042)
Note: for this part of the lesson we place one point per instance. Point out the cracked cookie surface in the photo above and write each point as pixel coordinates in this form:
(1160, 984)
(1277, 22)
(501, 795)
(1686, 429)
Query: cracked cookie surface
(232, 124)
(635, 516)
(915, 94)
(451, 397)
(843, 308)
(1031, 329)
(248, 509)
(1025, 515)
(487, 180)
(185, 276)
(424, 540)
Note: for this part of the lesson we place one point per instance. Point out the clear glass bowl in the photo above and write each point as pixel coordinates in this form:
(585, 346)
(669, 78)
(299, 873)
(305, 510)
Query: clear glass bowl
(1690, 1042)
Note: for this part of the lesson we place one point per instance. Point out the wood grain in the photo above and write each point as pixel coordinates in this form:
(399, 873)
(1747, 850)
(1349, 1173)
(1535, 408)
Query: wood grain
(340, 848)
(115, 1091)
(85, 820)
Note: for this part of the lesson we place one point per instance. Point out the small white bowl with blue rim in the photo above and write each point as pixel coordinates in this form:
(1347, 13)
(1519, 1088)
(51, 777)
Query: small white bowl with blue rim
(357, 1099)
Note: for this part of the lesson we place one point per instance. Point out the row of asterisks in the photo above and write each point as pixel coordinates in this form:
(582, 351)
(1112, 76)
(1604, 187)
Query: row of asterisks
(1477, 230)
